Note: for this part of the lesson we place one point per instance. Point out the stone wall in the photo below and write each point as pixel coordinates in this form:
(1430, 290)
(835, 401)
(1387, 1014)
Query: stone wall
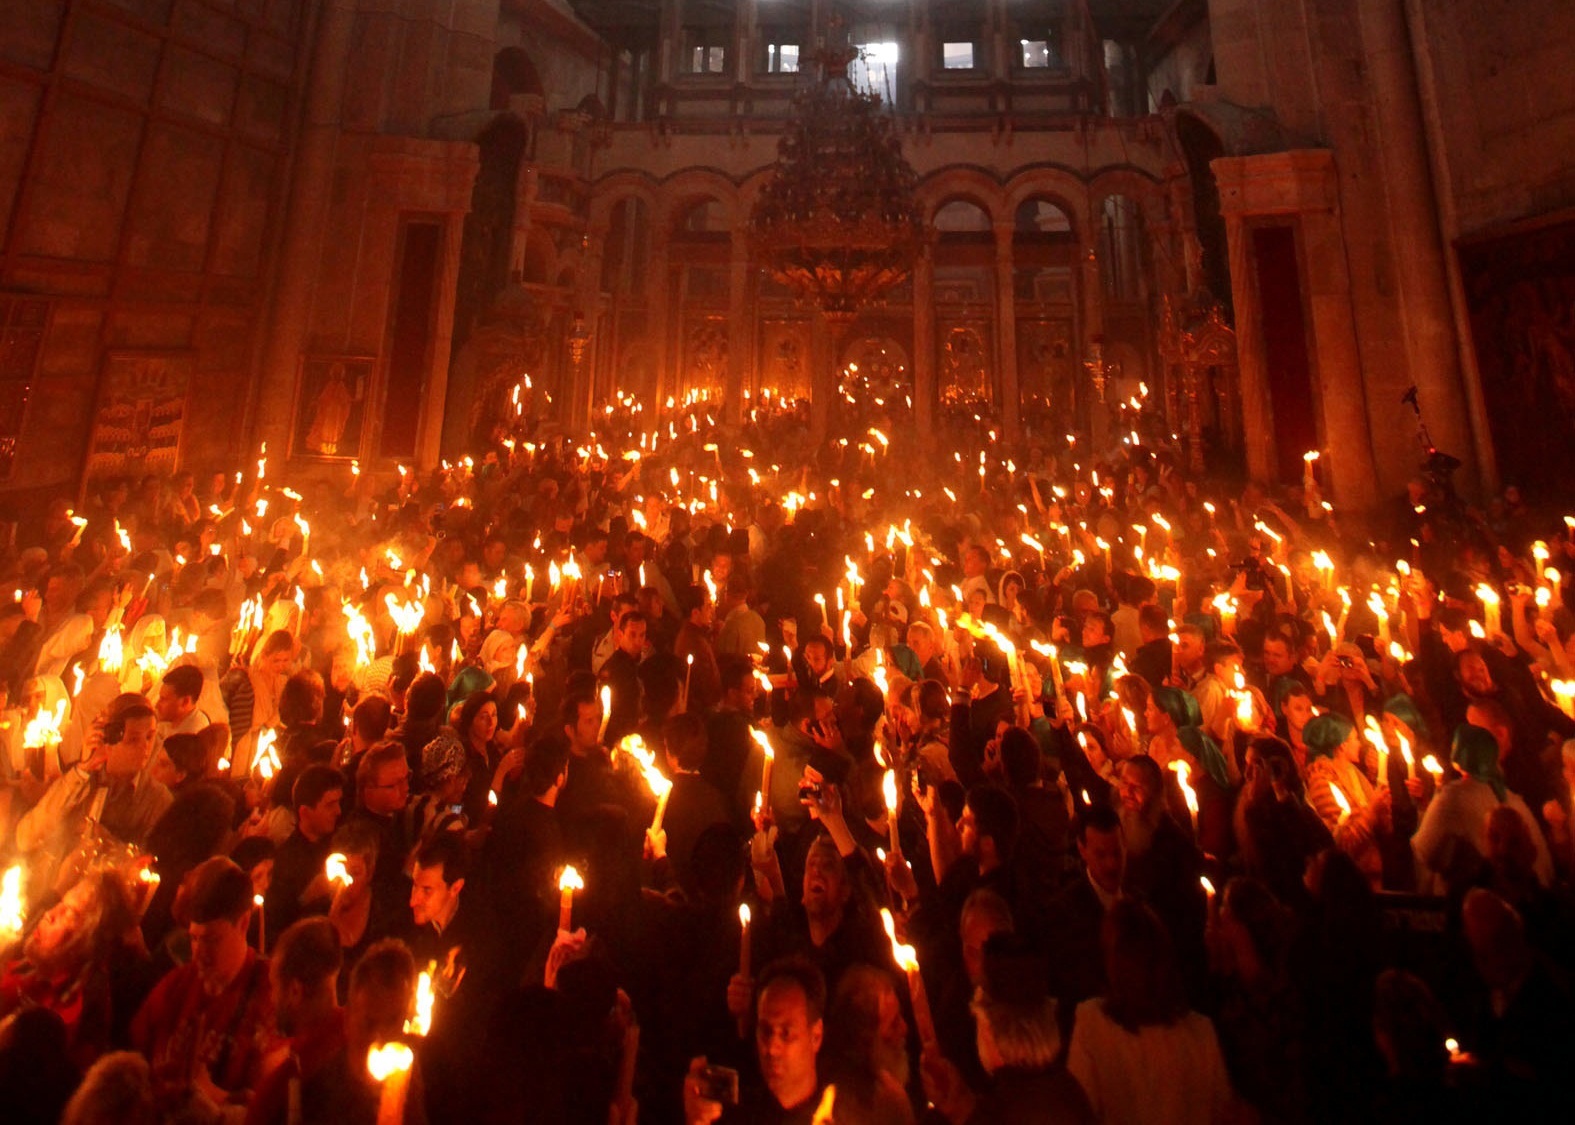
(1496, 80)
(143, 152)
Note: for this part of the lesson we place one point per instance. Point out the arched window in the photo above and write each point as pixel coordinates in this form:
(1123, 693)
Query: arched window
(962, 216)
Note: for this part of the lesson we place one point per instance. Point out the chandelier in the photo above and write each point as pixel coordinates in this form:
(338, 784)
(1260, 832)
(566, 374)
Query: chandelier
(838, 223)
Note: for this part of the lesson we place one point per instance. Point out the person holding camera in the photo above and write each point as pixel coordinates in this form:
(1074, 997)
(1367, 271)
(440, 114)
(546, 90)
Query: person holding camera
(108, 786)
(790, 1003)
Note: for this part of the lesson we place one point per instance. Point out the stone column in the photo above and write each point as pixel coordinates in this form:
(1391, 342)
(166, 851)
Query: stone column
(1421, 272)
(924, 344)
(740, 338)
(1006, 334)
(311, 198)
(822, 380)
(1257, 412)
(656, 324)
(1093, 330)
(588, 303)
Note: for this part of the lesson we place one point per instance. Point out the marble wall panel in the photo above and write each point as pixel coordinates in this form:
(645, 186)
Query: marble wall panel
(174, 207)
(82, 177)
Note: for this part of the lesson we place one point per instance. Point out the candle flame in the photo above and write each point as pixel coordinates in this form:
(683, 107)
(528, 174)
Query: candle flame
(388, 1059)
(334, 868)
(13, 907)
(421, 1022)
(570, 880)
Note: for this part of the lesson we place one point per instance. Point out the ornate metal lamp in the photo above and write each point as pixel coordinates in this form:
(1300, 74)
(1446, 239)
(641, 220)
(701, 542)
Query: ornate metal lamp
(838, 222)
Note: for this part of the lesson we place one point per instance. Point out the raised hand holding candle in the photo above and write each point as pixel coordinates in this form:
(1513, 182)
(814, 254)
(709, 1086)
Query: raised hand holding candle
(908, 961)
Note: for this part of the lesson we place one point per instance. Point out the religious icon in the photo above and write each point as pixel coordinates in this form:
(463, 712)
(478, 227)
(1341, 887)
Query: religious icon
(141, 414)
(331, 406)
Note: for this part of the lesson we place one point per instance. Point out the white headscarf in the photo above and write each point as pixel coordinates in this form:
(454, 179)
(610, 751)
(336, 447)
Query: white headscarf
(72, 637)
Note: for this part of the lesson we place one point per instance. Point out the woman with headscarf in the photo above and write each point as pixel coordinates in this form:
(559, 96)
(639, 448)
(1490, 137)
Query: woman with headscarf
(445, 772)
(1451, 842)
(498, 653)
(1351, 808)
(1176, 736)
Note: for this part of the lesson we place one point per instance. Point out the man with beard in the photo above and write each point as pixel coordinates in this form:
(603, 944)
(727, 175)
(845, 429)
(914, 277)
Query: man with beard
(832, 926)
(788, 1034)
(1163, 865)
(303, 971)
(866, 1055)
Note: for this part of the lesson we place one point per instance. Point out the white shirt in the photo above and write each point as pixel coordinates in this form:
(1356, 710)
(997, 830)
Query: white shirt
(1157, 1076)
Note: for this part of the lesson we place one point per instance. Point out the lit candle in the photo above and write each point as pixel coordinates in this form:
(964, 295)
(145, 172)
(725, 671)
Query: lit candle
(421, 1022)
(1490, 608)
(262, 933)
(389, 1065)
(334, 869)
(1340, 799)
(889, 790)
(743, 940)
(1208, 891)
(908, 961)
(568, 883)
(13, 907)
(1375, 735)
(1183, 772)
(765, 770)
(601, 735)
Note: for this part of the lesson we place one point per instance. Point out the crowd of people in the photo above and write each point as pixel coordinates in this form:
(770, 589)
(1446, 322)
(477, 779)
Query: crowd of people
(687, 771)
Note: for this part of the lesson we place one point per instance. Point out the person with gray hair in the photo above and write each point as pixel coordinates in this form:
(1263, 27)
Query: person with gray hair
(1019, 1041)
(117, 1090)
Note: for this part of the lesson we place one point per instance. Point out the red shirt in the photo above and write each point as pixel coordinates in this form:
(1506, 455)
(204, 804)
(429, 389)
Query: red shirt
(307, 1053)
(181, 1028)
